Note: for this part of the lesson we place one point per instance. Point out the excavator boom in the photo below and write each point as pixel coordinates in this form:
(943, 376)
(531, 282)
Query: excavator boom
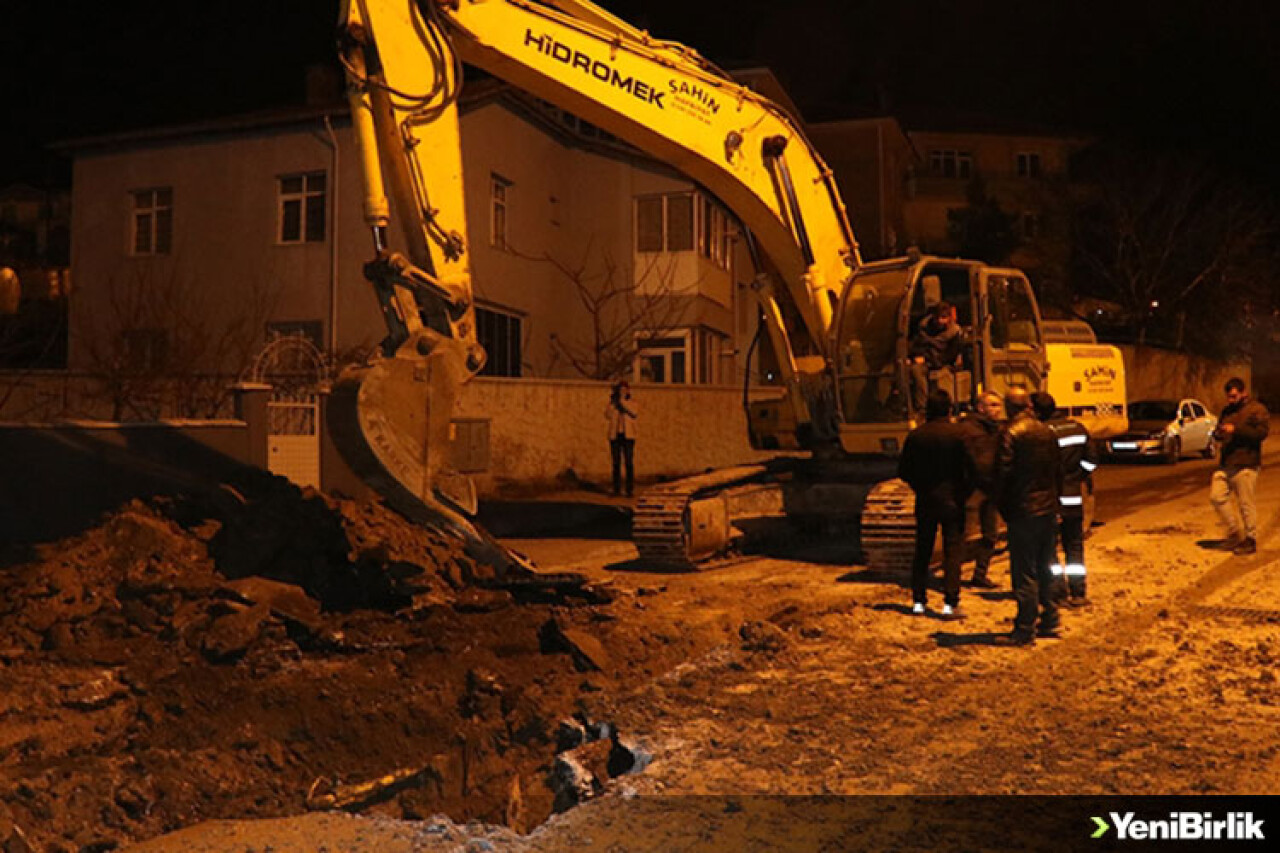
(403, 63)
(837, 326)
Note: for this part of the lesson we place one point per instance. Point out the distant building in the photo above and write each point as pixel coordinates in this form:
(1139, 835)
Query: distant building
(1022, 169)
(903, 178)
(34, 278)
(871, 159)
(34, 226)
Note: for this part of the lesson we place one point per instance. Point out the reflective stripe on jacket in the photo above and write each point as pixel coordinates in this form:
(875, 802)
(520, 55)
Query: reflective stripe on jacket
(1078, 459)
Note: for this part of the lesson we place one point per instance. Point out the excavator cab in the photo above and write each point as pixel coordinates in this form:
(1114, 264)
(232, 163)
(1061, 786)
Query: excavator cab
(880, 311)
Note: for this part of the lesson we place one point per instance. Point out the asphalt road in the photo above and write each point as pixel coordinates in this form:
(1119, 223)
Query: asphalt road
(1125, 487)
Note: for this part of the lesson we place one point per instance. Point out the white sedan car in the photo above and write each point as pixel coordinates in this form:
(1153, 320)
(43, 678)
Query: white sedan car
(1165, 429)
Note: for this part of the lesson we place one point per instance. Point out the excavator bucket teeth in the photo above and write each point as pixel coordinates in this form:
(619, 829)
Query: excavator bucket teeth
(390, 421)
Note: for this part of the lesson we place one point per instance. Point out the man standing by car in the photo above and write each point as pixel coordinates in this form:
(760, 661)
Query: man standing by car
(983, 426)
(935, 464)
(1078, 461)
(1028, 482)
(1242, 427)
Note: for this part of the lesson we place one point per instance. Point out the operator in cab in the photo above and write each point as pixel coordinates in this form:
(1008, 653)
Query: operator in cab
(936, 351)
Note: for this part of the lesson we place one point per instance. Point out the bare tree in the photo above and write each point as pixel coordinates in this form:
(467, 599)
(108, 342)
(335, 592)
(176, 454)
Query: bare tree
(1187, 251)
(162, 346)
(624, 310)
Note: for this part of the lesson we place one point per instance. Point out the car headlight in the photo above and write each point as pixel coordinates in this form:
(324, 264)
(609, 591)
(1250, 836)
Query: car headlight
(1157, 434)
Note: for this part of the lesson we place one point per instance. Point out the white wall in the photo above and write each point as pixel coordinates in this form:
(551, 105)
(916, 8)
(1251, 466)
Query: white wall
(539, 429)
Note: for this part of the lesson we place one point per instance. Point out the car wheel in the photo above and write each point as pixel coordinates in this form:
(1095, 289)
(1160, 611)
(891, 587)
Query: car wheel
(1174, 453)
(1207, 452)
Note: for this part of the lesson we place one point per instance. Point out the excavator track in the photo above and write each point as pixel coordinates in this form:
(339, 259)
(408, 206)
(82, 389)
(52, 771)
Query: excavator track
(665, 529)
(889, 527)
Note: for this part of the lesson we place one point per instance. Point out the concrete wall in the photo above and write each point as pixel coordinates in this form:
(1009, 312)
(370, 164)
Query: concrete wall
(541, 429)
(1152, 373)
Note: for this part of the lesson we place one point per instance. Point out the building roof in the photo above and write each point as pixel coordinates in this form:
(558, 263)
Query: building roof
(227, 125)
(763, 81)
(947, 120)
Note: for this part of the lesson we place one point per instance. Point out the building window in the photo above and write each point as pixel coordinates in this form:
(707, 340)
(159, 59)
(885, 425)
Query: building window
(683, 222)
(1027, 164)
(665, 223)
(152, 221)
(950, 163)
(650, 224)
(713, 232)
(302, 208)
(500, 335)
(663, 360)
(499, 192)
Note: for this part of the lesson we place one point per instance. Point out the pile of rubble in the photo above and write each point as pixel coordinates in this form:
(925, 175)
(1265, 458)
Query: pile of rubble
(260, 650)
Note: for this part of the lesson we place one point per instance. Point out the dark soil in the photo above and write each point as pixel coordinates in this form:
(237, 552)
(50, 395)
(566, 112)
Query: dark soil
(267, 649)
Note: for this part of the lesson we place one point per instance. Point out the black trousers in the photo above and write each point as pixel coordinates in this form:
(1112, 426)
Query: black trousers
(989, 525)
(1031, 546)
(1071, 536)
(623, 451)
(928, 520)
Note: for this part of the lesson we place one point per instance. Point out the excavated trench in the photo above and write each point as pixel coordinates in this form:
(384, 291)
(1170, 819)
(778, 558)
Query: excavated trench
(261, 650)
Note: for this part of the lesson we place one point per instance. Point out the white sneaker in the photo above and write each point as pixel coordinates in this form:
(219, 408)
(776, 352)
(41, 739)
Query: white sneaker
(917, 608)
(946, 610)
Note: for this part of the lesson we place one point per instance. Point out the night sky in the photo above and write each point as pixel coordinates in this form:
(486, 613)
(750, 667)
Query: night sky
(1179, 74)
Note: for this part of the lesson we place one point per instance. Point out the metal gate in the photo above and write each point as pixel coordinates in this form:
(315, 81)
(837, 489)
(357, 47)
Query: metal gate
(297, 372)
(293, 436)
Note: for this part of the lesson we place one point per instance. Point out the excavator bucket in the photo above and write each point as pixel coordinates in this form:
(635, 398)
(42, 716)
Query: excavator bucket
(390, 420)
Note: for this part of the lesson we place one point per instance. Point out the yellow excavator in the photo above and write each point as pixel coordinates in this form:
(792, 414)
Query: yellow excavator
(838, 328)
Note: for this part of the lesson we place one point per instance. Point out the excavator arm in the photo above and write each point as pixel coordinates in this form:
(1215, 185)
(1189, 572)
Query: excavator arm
(403, 62)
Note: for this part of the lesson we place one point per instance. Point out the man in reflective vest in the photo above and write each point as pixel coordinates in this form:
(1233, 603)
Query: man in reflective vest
(1079, 460)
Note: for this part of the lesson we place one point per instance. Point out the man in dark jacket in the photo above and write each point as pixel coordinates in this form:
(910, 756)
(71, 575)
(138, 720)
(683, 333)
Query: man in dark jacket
(983, 436)
(1029, 482)
(1242, 427)
(935, 464)
(1078, 459)
(936, 350)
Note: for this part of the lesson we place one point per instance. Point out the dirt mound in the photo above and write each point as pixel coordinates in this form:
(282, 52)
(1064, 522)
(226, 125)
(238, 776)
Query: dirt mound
(262, 649)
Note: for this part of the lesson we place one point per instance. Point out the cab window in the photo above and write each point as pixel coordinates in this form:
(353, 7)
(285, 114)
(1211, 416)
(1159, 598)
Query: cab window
(1013, 315)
